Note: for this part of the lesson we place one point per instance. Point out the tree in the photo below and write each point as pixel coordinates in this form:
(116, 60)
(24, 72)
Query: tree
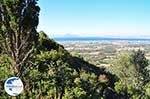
(132, 69)
(123, 67)
(18, 23)
(140, 64)
(124, 70)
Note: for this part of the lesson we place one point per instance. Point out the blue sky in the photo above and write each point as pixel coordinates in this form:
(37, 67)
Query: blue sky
(115, 18)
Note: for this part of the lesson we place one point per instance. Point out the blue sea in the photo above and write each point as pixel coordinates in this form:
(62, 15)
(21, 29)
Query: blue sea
(98, 39)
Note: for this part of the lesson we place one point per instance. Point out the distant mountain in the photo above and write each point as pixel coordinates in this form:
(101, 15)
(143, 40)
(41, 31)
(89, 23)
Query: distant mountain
(68, 35)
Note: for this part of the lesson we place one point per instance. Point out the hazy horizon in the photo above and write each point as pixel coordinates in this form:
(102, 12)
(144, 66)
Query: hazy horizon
(95, 18)
(99, 36)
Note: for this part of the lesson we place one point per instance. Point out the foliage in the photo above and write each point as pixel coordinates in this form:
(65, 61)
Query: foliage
(5, 72)
(134, 75)
(18, 23)
(55, 75)
(141, 72)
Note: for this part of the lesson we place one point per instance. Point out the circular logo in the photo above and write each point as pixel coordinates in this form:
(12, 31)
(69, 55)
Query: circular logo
(13, 86)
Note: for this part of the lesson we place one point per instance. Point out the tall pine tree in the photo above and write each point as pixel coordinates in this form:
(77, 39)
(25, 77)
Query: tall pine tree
(18, 23)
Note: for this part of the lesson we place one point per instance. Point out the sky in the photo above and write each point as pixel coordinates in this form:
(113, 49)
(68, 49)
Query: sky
(100, 18)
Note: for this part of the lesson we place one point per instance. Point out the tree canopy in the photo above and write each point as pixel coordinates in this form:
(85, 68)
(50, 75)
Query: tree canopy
(18, 23)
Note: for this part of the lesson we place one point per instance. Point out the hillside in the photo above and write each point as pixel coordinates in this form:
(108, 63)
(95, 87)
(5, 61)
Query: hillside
(54, 72)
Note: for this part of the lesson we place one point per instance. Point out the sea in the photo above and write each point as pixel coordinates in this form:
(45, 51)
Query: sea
(59, 39)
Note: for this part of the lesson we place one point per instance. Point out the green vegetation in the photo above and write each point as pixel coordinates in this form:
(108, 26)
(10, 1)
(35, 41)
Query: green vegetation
(56, 74)
(132, 70)
(19, 38)
(49, 71)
